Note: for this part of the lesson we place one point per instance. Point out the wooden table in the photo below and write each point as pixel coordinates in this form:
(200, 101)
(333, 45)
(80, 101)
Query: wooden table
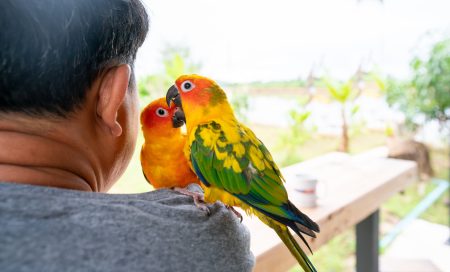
(355, 187)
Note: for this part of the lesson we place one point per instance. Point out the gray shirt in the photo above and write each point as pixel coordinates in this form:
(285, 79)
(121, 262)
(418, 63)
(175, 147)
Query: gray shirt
(50, 229)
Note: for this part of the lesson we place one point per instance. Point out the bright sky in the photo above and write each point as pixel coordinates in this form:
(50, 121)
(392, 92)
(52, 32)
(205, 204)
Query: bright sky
(249, 40)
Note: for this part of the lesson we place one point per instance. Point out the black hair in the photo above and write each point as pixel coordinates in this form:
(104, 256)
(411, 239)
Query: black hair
(51, 51)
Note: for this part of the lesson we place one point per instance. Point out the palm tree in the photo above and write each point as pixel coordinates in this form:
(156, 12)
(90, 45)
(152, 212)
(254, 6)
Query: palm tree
(342, 93)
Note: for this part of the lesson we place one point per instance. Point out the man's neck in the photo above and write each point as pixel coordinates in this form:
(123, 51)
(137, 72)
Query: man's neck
(39, 156)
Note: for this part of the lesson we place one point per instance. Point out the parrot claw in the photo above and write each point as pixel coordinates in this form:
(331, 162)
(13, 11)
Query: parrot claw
(203, 207)
(198, 198)
(238, 214)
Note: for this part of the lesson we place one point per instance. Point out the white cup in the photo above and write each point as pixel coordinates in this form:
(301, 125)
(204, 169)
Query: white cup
(303, 190)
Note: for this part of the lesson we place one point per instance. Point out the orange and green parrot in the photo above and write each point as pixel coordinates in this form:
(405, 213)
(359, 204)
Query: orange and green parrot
(233, 165)
(162, 159)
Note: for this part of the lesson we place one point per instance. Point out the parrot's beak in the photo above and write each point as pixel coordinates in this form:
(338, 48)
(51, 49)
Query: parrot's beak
(173, 96)
(178, 119)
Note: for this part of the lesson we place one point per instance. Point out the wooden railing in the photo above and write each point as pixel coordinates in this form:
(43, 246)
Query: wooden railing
(355, 187)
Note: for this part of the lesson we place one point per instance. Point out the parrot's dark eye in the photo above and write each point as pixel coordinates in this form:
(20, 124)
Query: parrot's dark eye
(187, 86)
(162, 112)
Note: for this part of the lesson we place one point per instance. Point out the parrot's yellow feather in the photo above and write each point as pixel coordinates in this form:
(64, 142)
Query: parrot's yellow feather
(162, 159)
(234, 166)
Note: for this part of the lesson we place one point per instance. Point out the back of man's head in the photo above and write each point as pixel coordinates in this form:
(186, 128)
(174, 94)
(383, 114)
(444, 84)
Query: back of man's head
(51, 51)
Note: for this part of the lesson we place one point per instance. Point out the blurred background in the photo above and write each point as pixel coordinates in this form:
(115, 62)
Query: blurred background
(311, 77)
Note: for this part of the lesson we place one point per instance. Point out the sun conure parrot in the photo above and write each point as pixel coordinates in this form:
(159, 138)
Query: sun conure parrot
(162, 159)
(233, 165)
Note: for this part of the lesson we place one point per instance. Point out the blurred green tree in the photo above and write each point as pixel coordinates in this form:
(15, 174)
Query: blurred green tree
(401, 96)
(177, 61)
(344, 93)
(299, 133)
(431, 82)
(427, 93)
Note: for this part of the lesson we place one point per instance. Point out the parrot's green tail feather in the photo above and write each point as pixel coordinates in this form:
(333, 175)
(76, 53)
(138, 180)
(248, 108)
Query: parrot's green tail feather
(294, 248)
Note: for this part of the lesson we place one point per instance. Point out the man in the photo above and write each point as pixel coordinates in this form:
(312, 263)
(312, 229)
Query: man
(68, 126)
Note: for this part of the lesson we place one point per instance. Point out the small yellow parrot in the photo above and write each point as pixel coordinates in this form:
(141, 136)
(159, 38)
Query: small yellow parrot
(233, 165)
(163, 163)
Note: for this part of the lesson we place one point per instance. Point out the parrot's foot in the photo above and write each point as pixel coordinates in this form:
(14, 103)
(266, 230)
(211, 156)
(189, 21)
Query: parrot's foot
(238, 214)
(198, 198)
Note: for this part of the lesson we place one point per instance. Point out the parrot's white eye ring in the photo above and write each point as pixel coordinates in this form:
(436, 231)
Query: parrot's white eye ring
(161, 112)
(187, 86)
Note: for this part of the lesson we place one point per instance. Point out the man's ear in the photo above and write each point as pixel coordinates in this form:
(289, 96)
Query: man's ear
(111, 95)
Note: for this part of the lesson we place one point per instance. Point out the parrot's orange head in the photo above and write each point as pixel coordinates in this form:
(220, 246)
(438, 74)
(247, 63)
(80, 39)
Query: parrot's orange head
(157, 115)
(196, 95)
(196, 90)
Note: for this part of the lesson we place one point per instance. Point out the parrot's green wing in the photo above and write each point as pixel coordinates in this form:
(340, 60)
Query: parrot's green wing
(230, 157)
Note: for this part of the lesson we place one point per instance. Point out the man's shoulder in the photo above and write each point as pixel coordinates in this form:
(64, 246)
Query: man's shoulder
(158, 205)
(22, 192)
(161, 230)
